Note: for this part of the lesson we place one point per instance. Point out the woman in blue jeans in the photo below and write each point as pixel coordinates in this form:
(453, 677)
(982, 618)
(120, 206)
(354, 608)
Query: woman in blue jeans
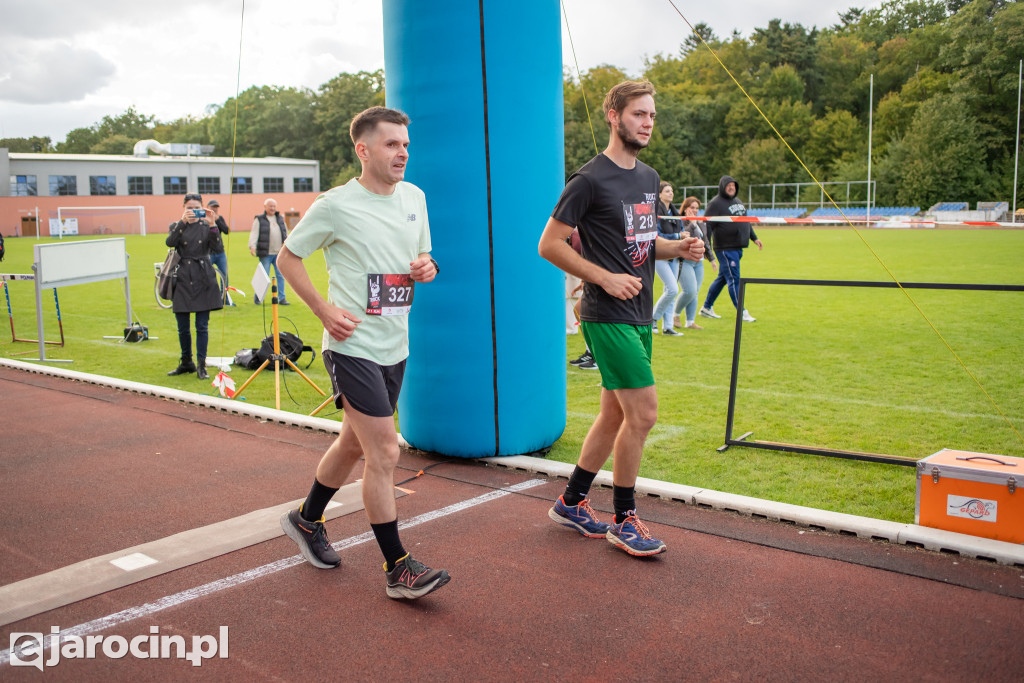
(691, 273)
(668, 270)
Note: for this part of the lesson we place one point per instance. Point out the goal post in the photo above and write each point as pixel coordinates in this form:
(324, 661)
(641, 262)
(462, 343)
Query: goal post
(745, 439)
(99, 220)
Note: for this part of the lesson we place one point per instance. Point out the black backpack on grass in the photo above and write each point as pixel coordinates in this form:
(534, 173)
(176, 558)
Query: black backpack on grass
(291, 348)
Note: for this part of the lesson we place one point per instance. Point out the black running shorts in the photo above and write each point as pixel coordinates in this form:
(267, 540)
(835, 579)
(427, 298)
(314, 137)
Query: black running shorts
(370, 388)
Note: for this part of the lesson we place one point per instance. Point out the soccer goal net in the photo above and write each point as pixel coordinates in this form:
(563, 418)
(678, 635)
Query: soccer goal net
(99, 220)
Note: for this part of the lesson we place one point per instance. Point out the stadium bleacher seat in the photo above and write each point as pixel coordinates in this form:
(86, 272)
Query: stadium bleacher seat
(861, 212)
(789, 212)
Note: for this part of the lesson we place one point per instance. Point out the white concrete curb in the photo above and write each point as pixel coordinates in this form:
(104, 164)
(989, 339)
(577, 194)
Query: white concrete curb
(226, 405)
(864, 527)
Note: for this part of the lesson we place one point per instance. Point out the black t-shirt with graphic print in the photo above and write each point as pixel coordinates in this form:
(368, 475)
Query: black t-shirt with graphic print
(614, 210)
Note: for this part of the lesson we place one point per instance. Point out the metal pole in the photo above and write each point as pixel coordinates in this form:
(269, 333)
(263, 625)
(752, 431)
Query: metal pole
(1016, 153)
(39, 306)
(733, 378)
(127, 298)
(871, 112)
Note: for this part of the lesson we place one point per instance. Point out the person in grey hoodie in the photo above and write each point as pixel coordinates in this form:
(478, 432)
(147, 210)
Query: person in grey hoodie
(729, 240)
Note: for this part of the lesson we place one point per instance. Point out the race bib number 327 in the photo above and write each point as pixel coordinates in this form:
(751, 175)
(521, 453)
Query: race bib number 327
(389, 294)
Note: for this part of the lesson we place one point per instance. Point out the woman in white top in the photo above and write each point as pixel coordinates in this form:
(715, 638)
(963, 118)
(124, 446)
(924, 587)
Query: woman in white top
(691, 273)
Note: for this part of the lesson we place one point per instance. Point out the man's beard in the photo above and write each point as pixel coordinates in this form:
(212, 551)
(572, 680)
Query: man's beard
(631, 144)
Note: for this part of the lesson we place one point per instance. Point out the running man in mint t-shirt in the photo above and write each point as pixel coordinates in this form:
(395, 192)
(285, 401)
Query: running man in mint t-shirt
(375, 237)
(611, 200)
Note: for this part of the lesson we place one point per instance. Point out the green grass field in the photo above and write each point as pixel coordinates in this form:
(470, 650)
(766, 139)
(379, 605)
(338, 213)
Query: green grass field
(845, 368)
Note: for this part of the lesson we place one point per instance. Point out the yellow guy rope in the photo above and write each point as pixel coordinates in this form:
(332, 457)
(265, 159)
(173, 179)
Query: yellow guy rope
(848, 222)
(234, 140)
(580, 77)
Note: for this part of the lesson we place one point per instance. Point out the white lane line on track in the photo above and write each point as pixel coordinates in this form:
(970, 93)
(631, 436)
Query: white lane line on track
(133, 613)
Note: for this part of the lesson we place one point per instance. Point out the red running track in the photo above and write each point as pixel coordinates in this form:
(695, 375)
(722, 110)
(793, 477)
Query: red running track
(734, 598)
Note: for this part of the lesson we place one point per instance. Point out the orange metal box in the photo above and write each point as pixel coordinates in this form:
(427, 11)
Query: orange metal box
(971, 493)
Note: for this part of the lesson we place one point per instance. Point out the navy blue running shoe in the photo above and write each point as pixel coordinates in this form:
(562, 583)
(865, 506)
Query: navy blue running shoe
(633, 537)
(579, 517)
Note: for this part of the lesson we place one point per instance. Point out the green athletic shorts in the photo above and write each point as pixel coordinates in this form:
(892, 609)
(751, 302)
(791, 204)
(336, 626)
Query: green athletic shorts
(622, 353)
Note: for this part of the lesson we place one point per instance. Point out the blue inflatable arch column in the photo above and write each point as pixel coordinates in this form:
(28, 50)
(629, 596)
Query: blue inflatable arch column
(482, 82)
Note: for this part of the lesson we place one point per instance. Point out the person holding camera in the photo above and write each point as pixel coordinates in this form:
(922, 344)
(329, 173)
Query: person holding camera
(196, 289)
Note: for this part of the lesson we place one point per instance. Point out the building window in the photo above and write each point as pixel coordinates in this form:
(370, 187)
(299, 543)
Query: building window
(273, 185)
(209, 185)
(303, 185)
(241, 185)
(23, 186)
(175, 184)
(102, 184)
(63, 185)
(140, 184)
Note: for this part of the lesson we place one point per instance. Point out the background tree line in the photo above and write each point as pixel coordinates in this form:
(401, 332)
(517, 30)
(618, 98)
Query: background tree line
(945, 93)
(945, 89)
(271, 121)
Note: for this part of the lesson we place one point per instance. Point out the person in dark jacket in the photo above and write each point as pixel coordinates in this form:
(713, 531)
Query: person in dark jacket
(196, 289)
(265, 239)
(729, 240)
(219, 258)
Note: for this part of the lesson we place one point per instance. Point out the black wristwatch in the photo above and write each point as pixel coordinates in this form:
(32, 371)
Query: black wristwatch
(437, 268)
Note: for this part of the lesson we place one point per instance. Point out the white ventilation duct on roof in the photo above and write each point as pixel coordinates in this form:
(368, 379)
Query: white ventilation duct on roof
(144, 147)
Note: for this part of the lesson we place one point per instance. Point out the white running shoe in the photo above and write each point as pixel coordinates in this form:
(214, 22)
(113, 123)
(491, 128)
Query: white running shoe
(747, 318)
(709, 313)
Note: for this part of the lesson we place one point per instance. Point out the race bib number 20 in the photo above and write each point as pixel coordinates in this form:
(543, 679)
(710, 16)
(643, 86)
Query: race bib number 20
(389, 294)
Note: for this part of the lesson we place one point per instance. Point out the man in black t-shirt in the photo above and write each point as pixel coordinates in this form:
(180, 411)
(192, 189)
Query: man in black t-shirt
(611, 200)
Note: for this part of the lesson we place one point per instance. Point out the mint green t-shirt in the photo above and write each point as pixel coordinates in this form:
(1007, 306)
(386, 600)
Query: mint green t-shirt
(366, 238)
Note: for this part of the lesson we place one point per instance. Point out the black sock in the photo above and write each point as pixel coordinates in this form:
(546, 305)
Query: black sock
(390, 544)
(623, 500)
(578, 486)
(316, 502)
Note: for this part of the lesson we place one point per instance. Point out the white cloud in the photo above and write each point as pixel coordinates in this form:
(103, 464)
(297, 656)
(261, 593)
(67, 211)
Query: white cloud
(69, 18)
(174, 60)
(47, 73)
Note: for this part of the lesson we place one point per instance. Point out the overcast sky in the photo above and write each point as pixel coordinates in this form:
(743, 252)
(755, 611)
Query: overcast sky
(67, 63)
